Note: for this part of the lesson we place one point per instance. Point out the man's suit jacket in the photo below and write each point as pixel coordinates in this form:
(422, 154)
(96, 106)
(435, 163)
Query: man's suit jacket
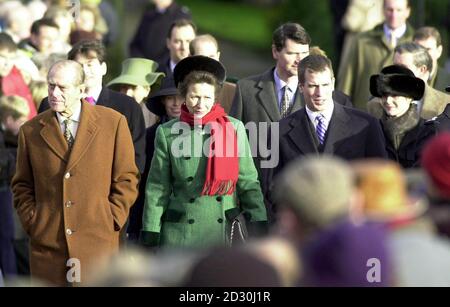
(256, 99)
(434, 103)
(440, 80)
(73, 203)
(351, 134)
(128, 107)
(443, 120)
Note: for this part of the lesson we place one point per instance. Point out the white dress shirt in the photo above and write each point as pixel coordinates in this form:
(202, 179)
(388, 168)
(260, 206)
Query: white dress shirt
(74, 120)
(326, 114)
(279, 88)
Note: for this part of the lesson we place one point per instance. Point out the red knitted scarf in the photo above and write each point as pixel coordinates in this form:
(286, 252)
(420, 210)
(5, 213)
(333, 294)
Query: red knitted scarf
(222, 169)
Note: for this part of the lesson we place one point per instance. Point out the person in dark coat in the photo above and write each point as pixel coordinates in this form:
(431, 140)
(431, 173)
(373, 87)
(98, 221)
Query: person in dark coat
(443, 120)
(404, 130)
(91, 54)
(166, 104)
(14, 111)
(150, 38)
(436, 165)
(323, 126)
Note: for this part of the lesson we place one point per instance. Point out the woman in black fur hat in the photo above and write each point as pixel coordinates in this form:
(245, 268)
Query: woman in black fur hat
(404, 130)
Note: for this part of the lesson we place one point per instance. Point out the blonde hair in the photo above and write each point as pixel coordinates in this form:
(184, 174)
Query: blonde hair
(39, 90)
(14, 106)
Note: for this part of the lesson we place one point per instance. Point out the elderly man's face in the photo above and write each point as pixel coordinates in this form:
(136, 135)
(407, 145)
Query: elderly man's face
(63, 91)
(396, 12)
(407, 59)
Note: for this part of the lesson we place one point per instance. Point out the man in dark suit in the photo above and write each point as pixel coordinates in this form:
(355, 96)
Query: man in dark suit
(91, 54)
(261, 98)
(150, 38)
(179, 37)
(323, 126)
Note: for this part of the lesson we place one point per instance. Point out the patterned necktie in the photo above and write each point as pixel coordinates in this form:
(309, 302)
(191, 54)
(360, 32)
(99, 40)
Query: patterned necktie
(320, 129)
(67, 134)
(285, 105)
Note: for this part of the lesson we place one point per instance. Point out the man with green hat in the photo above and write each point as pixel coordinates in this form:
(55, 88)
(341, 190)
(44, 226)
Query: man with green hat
(136, 80)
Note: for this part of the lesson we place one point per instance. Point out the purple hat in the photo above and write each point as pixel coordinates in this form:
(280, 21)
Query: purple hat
(347, 256)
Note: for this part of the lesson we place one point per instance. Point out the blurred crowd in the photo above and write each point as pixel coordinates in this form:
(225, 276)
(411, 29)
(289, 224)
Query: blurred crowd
(358, 195)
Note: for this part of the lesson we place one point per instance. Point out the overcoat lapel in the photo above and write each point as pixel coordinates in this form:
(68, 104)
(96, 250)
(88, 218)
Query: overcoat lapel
(300, 133)
(338, 128)
(52, 135)
(87, 130)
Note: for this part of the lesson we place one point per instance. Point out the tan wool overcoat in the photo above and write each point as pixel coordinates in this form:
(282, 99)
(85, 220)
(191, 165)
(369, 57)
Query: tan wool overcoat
(73, 203)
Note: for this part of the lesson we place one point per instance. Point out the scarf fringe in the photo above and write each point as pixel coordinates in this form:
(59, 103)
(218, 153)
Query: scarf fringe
(226, 187)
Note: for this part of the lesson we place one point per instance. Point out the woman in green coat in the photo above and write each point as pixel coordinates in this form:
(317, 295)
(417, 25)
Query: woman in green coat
(202, 173)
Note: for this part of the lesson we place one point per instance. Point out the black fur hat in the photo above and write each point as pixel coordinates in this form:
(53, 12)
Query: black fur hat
(397, 80)
(200, 63)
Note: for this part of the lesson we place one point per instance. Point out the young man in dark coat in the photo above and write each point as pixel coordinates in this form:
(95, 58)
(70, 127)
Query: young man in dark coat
(323, 126)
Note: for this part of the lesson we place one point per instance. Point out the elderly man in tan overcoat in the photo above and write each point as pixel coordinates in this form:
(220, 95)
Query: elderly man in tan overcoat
(75, 182)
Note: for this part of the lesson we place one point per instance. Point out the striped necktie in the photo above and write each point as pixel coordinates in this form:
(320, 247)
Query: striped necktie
(320, 129)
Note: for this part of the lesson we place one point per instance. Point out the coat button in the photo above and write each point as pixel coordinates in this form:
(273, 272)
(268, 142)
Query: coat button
(191, 221)
(190, 179)
(219, 198)
(69, 204)
(192, 200)
(69, 231)
(67, 175)
(220, 221)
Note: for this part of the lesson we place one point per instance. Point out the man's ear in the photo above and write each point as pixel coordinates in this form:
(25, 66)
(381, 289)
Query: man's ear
(439, 51)
(274, 52)
(104, 68)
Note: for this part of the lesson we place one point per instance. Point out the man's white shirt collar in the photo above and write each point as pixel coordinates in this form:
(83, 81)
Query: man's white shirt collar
(398, 33)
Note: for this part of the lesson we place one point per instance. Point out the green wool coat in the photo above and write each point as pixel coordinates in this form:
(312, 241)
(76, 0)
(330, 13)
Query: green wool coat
(175, 213)
(369, 53)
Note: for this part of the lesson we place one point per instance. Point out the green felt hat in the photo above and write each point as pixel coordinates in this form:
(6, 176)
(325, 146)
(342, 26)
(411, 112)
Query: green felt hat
(138, 71)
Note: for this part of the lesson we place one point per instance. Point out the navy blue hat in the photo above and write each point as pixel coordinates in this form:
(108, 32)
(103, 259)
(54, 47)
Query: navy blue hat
(154, 101)
(198, 63)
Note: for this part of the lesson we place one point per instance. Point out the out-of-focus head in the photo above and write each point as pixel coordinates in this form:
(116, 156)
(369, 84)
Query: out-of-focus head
(8, 52)
(318, 189)
(430, 39)
(396, 13)
(14, 112)
(436, 163)
(44, 34)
